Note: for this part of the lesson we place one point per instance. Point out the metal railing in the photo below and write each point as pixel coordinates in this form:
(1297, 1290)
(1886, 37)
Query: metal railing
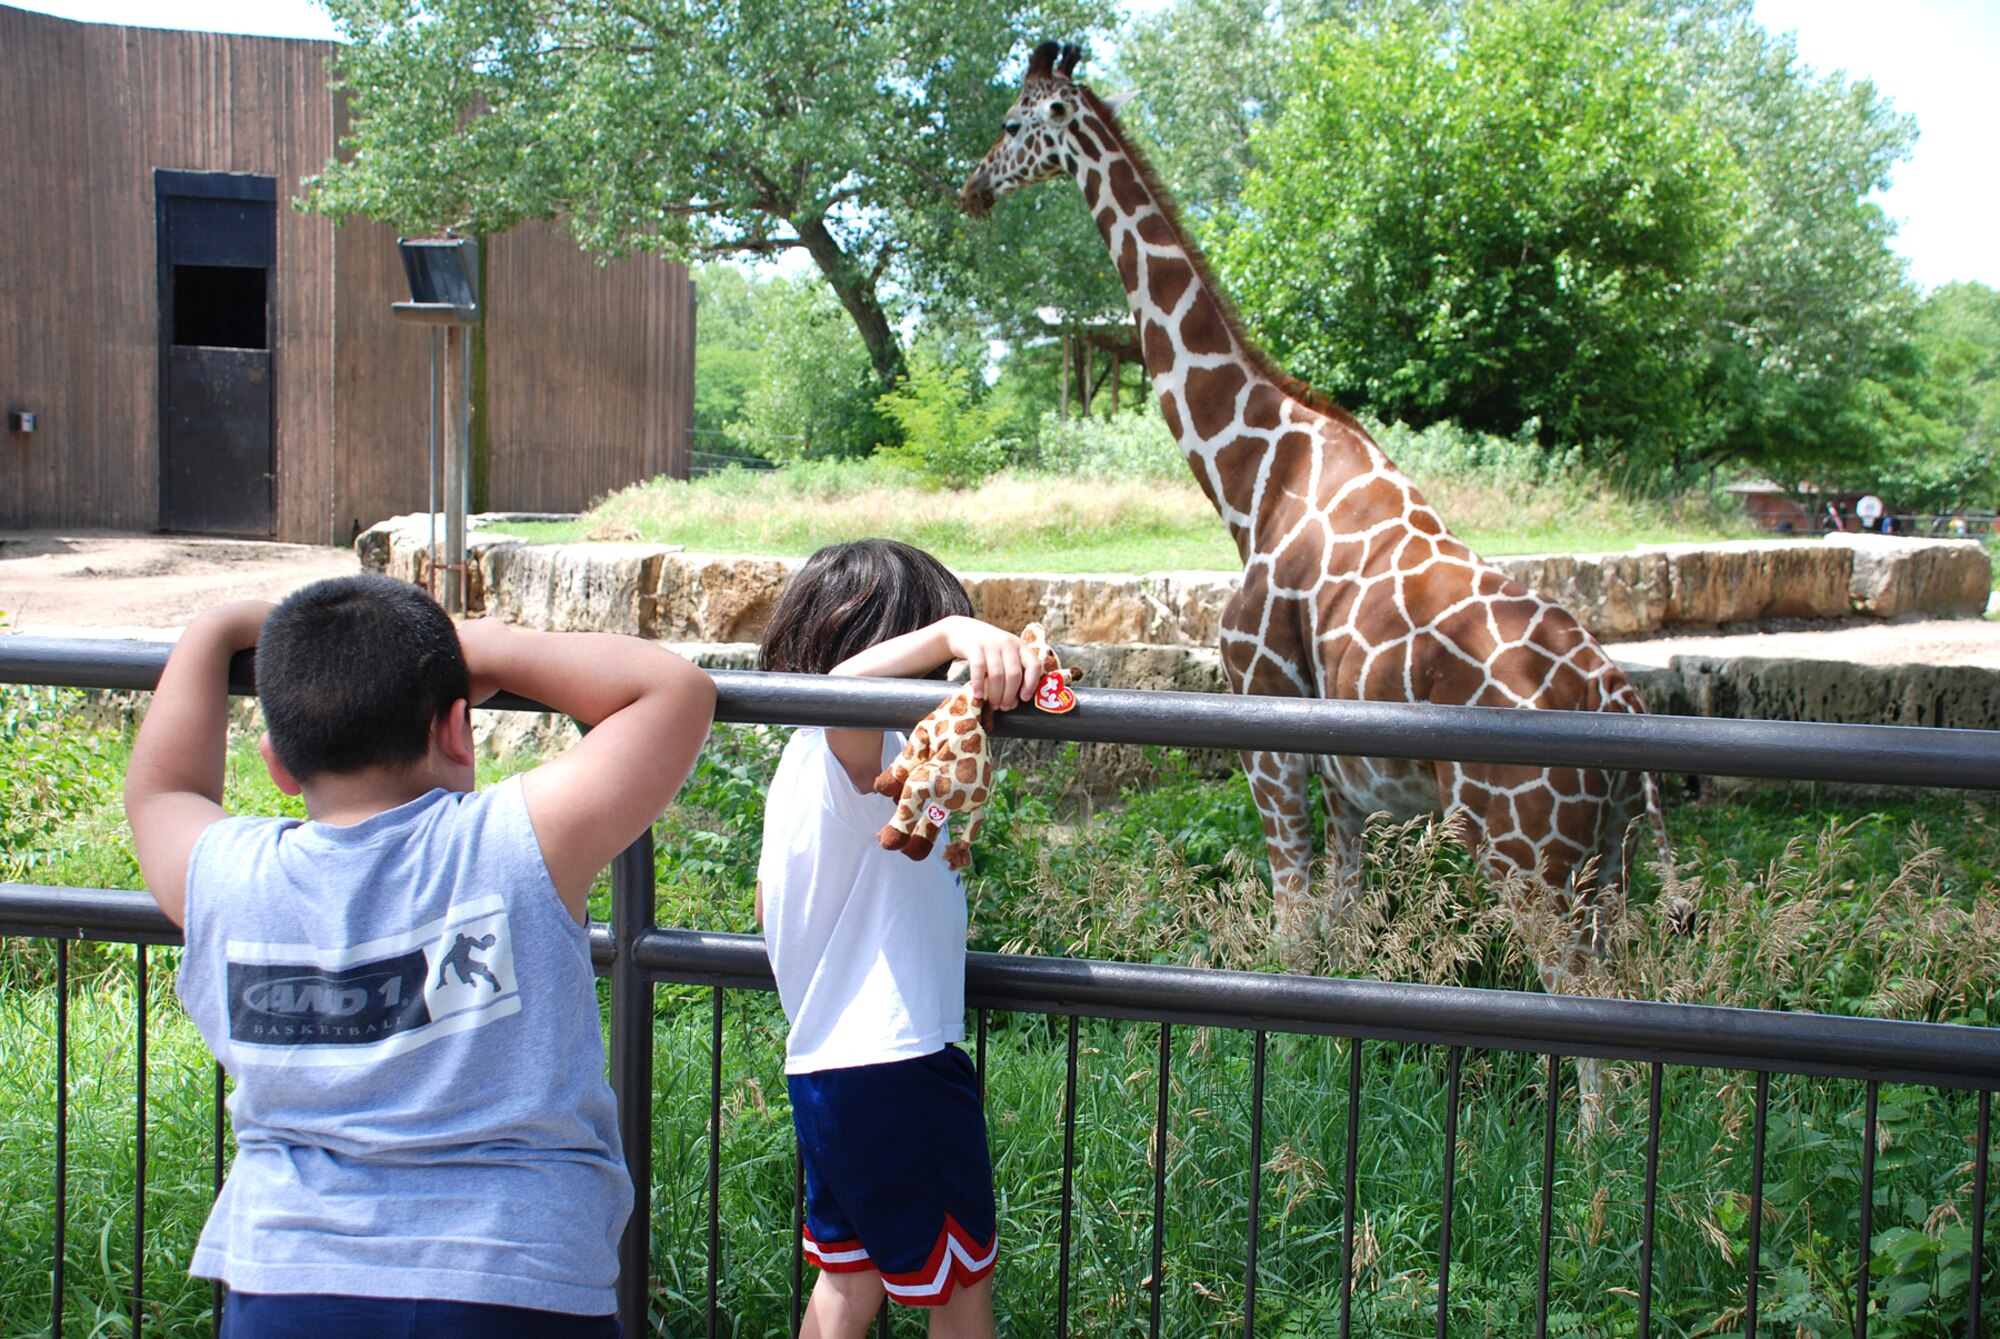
(636, 954)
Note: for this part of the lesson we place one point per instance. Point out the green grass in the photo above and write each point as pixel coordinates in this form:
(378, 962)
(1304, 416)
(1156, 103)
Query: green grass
(1812, 1182)
(1809, 900)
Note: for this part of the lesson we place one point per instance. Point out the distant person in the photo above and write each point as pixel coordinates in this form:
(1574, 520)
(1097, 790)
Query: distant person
(1833, 518)
(1868, 509)
(400, 985)
(868, 947)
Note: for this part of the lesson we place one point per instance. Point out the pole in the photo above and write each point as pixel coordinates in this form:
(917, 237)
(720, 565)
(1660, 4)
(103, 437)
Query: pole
(454, 481)
(431, 479)
(1065, 376)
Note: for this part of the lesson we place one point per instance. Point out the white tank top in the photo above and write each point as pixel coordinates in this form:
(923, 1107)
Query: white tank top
(868, 945)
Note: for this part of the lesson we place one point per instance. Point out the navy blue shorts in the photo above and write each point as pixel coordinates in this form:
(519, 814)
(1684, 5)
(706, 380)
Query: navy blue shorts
(897, 1174)
(315, 1316)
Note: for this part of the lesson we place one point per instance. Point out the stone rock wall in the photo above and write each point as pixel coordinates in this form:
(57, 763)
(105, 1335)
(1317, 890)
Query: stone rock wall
(661, 591)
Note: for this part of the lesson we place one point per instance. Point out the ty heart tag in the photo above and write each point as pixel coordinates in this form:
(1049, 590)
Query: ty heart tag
(1053, 695)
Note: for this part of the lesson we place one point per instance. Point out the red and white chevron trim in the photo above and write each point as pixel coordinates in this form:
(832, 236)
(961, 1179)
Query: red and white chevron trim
(956, 1261)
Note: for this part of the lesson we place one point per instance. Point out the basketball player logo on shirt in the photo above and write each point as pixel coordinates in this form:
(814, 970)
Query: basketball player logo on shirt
(460, 960)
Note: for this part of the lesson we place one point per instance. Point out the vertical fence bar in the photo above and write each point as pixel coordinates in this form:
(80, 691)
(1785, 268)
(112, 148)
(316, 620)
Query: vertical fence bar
(1347, 1194)
(1867, 1211)
(632, 1070)
(882, 1321)
(1756, 1254)
(714, 1154)
(62, 1135)
(1550, 1097)
(221, 1138)
(979, 1051)
(1160, 1179)
(1981, 1142)
(1256, 1187)
(1068, 1189)
(1450, 1176)
(798, 1236)
(1652, 1204)
(139, 1155)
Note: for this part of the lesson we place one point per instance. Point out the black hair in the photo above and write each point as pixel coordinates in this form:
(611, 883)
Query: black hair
(352, 673)
(848, 597)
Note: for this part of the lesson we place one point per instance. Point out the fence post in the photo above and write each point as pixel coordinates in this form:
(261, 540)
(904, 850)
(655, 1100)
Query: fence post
(632, 1071)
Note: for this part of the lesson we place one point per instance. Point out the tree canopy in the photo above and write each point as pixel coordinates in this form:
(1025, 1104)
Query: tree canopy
(698, 128)
(1487, 213)
(1638, 225)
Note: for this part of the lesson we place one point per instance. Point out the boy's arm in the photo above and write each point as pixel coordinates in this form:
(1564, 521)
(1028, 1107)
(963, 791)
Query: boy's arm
(173, 785)
(1001, 670)
(648, 713)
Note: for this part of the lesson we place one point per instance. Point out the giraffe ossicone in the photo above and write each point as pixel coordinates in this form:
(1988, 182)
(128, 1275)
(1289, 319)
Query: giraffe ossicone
(946, 768)
(1353, 587)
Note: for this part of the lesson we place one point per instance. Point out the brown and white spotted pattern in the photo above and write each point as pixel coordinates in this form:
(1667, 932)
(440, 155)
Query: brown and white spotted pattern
(947, 769)
(1352, 586)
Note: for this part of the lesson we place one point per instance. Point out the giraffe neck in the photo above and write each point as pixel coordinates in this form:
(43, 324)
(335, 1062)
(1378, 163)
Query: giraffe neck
(1210, 383)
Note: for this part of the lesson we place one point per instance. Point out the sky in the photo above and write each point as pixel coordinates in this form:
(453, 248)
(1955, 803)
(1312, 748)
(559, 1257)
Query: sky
(1934, 59)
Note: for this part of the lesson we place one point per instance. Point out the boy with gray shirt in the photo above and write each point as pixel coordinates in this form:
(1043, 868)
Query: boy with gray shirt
(400, 986)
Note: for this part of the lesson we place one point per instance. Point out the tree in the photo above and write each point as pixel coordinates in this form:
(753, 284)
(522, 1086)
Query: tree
(728, 347)
(1805, 311)
(1205, 75)
(698, 128)
(813, 395)
(1953, 397)
(1489, 212)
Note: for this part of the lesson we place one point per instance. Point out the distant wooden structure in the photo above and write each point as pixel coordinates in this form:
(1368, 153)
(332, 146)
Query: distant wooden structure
(199, 356)
(1774, 507)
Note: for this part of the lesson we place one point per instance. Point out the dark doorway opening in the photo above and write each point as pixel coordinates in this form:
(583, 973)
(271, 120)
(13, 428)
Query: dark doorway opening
(217, 234)
(220, 307)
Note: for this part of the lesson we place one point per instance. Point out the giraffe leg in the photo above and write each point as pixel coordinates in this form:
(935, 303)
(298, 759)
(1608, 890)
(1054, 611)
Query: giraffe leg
(1345, 825)
(1278, 784)
(1542, 837)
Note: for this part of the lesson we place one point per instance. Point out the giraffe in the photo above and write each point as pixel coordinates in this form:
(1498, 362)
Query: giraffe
(1352, 586)
(947, 766)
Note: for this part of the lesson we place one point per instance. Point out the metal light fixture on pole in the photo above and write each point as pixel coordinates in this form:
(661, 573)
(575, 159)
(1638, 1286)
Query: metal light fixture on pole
(444, 294)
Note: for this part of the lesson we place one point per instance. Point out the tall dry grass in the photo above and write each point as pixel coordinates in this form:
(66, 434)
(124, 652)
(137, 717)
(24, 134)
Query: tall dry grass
(1135, 508)
(1823, 927)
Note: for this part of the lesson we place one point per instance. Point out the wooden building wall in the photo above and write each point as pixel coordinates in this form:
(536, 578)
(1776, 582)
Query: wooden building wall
(591, 368)
(554, 450)
(90, 110)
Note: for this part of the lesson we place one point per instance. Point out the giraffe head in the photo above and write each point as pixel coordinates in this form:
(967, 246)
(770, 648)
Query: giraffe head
(1036, 136)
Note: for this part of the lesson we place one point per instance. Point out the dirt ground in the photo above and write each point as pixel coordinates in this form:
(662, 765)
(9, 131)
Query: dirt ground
(83, 583)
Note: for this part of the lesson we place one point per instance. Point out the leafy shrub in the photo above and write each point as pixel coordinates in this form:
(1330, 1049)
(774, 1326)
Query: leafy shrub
(55, 769)
(1129, 446)
(949, 439)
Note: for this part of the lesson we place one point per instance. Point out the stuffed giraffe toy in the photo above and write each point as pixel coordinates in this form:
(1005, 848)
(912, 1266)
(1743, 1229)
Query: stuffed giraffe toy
(1352, 586)
(947, 767)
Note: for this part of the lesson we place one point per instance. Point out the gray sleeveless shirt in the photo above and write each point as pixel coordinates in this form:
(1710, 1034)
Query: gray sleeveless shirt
(411, 1022)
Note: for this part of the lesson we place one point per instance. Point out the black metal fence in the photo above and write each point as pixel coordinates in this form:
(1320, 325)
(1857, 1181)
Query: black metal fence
(636, 955)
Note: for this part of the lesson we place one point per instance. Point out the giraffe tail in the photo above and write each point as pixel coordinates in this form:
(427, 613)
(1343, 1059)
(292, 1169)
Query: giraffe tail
(1674, 903)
